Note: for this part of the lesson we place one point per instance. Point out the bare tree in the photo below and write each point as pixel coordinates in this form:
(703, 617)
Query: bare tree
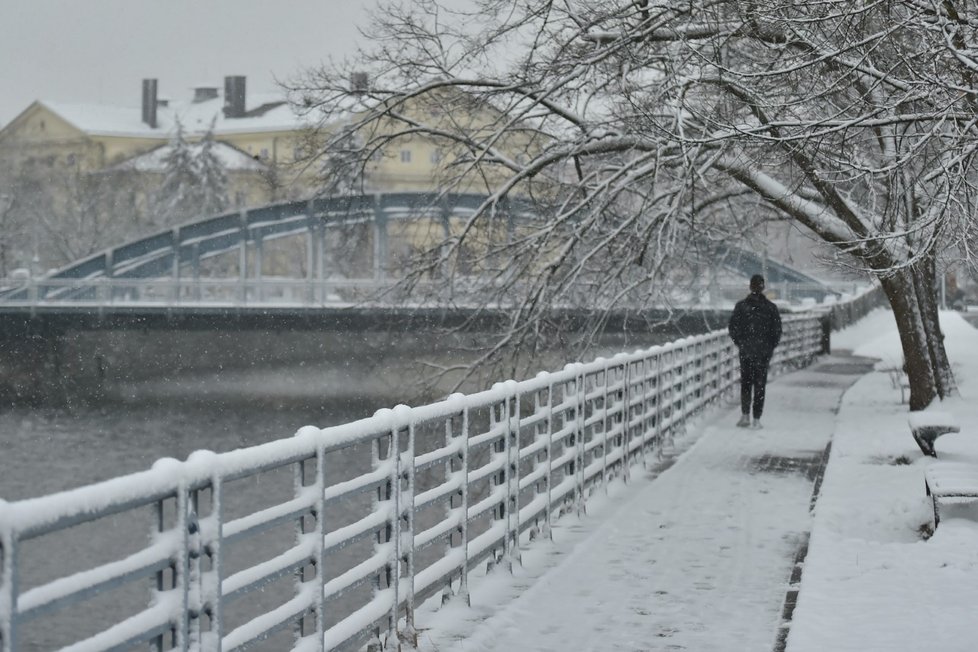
(640, 129)
(59, 212)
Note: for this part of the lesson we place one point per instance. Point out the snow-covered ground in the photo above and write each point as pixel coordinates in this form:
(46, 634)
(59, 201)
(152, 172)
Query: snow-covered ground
(698, 555)
(872, 581)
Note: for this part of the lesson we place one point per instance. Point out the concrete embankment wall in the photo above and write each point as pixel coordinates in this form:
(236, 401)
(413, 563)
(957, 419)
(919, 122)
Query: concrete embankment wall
(91, 366)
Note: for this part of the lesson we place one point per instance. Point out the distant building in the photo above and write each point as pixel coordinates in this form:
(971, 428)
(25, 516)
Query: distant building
(263, 126)
(249, 179)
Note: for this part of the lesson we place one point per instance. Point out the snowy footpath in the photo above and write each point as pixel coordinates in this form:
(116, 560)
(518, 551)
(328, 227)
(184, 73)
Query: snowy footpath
(699, 552)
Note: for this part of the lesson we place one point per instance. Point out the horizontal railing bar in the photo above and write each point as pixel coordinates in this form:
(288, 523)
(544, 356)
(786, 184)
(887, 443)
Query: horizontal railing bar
(495, 498)
(532, 477)
(532, 419)
(53, 595)
(267, 624)
(143, 626)
(348, 534)
(493, 466)
(487, 437)
(255, 577)
(528, 451)
(28, 517)
(425, 498)
(372, 480)
(438, 456)
(268, 518)
(440, 529)
(361, 572)
(360, 622)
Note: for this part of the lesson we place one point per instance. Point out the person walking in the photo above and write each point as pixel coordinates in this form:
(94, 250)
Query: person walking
(755, 327)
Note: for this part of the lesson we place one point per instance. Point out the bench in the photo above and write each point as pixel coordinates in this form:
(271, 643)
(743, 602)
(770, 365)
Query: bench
(950, 483)
(899, 380)
(926, 427)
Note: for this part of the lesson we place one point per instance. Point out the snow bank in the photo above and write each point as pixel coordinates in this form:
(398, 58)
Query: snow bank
(873, 580)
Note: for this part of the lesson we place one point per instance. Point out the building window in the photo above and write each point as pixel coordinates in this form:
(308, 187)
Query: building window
(71, 159)
(405, 156)
(264, 152)
(435, 156)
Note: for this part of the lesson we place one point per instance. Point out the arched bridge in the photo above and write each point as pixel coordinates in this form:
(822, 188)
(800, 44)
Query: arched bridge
(318, 252)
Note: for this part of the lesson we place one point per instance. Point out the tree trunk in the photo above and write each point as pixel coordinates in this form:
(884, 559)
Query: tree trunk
(914, 305)
(925, 281)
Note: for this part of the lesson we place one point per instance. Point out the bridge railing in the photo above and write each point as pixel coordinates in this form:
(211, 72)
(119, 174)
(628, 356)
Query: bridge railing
(173, 292)
(444, 487)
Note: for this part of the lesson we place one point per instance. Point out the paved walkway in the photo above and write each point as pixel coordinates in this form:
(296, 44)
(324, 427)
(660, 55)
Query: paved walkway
(694, 557)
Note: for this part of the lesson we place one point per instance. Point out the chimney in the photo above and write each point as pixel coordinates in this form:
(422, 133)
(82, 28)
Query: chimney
(234, 96)
(149, 102)
(359, 83)
(204, 93)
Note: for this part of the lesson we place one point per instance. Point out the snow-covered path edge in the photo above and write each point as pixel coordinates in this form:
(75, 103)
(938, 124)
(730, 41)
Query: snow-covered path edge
(872, 581)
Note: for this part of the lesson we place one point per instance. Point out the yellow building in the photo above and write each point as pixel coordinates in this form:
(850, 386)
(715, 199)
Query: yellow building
(95, 136)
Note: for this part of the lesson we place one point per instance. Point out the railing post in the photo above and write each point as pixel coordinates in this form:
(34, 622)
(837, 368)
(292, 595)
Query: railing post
(8, 582)
(185, 565)
(212, 535)
(579, 439)
(644, 424)
(407, 537)
(659, 409)
(513, 466)
(312, 263)
(683, 386)
(380, 239)
(463, 588)
(605, 423)
(259, 254)
(243, 258)
(175, 267)
(394, 559)
(320, 550)
(195, 269)
(383, 495)
(548, 433)
(450, 513)
(301, 482)
(625, 418)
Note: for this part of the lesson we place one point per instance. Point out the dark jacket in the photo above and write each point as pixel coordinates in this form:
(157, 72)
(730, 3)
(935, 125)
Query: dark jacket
(755, 327)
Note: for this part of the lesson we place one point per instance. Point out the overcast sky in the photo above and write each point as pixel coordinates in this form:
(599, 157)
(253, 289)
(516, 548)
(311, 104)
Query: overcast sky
(100, 50)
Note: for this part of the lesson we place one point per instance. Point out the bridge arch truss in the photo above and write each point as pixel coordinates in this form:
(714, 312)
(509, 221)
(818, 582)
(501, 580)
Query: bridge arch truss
(368, 260)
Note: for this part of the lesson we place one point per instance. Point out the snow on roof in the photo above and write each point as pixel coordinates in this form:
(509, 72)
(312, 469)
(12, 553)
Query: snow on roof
(154, 160)
(266, 112)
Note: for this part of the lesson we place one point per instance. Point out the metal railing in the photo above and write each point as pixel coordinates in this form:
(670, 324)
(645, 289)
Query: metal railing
(277, 291)
(448, 485)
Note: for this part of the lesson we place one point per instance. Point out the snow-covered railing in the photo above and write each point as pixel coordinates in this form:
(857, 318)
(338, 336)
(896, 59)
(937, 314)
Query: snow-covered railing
(445, 487)
(103, 292)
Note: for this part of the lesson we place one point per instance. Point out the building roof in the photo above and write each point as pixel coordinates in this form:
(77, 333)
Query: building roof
(266, 113)
(231, 158)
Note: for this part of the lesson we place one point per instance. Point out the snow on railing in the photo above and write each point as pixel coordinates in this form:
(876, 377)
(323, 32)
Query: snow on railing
(449, 485)
(267, 291)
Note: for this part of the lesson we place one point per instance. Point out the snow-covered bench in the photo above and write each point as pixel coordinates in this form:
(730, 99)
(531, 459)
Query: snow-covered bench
(950, 483)
(899, 380)
(926, 427)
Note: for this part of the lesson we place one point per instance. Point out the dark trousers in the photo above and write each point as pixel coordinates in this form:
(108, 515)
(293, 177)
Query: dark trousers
(753, 381)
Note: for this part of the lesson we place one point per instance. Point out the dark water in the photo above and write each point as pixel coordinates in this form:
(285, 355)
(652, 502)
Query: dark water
(52, 450)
